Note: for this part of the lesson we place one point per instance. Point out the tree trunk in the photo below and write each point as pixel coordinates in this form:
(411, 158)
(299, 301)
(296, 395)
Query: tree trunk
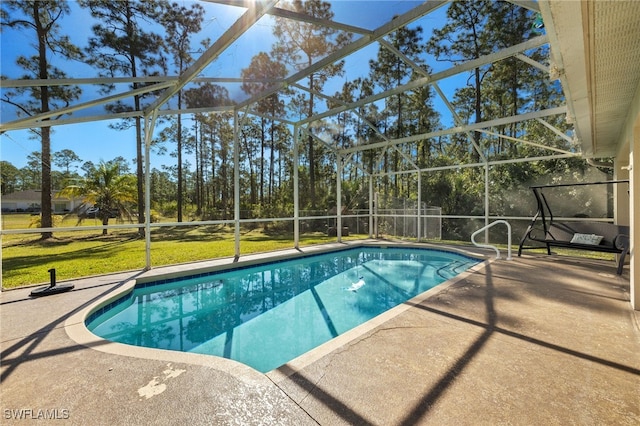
(45, 196)
(198, 183)
(271, 162)
(262, 141)
(139, 170)
(136, 101)
(478, 110)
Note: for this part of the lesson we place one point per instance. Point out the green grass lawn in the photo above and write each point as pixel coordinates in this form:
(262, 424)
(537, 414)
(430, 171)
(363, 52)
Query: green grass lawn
(26, 259)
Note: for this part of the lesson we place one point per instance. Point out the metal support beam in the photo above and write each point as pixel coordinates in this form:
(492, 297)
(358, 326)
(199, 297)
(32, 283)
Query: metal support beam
(255, 11)
(526, 142)
(339, 197)
(394, 24)
(554, 129)
(486, 202)
(296, 188)
(406, 157)
(527, 4)
(419, 212)
(289, 14)
(149, 126)
(236, 183)
(490, 163)
(461, 129)
(341, 102)
(536, 64)
(124, 80)
(34, 121)
(371, 206)
(349, 156)
(464, 67)
(457, 119)
(270, 117)
(76, 120)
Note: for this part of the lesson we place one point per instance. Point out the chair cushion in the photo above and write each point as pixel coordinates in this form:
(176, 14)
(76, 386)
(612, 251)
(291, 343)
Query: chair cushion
(591, 239)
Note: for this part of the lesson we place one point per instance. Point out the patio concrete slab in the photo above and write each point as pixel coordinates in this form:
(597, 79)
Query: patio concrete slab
(522, 342)
(536, 340)
(45, 374)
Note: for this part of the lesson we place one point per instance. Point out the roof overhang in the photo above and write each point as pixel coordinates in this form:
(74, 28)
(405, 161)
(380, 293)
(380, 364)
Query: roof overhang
(595, 52)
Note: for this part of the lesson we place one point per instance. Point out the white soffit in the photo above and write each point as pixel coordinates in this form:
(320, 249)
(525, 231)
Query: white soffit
(596, 48)
(615, 67)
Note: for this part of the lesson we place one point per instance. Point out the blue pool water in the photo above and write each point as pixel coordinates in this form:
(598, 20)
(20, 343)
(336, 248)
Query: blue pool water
(267, 315)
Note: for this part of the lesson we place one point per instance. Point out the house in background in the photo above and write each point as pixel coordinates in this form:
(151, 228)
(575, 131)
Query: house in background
(29, 201)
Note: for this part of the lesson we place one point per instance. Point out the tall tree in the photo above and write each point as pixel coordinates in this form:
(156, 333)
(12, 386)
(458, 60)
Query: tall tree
(43, 19)
(464, 38)
(122, 163)
(32, 172)
(200, 149)
(65, 159)
(250, 136)
(350, 125)
(363, 88)
(514, 87)
(123, 46)
(207, 95)
(222, 128)
(9, 177)
(391, 70)
(162, 188)
(299, 44)
(181, 23)
(258, 77)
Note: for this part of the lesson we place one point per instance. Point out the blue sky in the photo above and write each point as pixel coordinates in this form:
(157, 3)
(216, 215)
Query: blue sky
(97, 141)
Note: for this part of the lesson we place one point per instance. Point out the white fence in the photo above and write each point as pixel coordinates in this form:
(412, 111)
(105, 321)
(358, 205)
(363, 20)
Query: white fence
(409, 221)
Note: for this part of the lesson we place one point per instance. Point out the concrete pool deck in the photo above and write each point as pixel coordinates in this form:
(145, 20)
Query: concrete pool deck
(535, 340)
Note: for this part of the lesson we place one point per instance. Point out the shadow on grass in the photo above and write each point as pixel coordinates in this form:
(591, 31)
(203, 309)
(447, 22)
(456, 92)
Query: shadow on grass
(23, 266)
(21, 263)
(201, 233)
(64, 241)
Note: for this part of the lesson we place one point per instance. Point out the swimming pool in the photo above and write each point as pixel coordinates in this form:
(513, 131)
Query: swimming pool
(266, 315)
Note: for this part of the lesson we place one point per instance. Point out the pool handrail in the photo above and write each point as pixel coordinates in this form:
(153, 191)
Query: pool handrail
(491, 246)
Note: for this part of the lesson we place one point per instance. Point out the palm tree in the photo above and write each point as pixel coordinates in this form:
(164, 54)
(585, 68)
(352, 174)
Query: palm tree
(105, 189)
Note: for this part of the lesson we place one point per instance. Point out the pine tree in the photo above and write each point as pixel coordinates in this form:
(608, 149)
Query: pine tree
(9, 177)
(209, 95)
(464, 38)
(299, 45)
(65, 159)
(122, 46)
(263, 68)
(181, 22)
(390, 70)
(43, 18)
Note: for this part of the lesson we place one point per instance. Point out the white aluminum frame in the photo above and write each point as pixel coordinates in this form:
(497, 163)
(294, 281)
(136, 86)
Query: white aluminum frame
(255, 10)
